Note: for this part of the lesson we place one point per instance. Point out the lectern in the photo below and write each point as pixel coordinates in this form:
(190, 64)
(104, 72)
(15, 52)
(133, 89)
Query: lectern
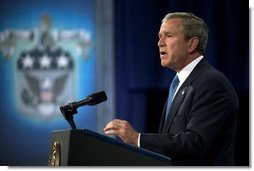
(81, 147)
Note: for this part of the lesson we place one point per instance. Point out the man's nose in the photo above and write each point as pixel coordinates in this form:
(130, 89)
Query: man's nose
(161, 42)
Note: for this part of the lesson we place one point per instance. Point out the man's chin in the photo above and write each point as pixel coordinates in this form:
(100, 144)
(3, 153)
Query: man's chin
(166, 65)
(163, 64)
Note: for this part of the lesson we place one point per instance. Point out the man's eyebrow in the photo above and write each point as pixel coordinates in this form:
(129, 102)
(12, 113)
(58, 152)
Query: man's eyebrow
(164, 32)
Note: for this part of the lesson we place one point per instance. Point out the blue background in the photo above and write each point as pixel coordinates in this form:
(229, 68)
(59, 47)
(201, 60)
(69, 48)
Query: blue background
(24, 140)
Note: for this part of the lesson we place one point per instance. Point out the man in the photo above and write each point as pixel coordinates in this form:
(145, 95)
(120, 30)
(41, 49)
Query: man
(198, 123)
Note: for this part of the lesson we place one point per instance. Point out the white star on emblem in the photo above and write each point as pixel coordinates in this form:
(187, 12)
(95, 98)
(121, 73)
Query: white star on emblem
(62, 61)
(28, 61)
(45, 61)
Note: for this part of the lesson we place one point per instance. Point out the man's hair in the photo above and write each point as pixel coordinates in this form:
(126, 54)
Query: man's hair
(193, 26)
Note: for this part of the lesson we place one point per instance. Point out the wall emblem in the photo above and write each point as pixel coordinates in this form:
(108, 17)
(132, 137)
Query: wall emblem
(45, 66)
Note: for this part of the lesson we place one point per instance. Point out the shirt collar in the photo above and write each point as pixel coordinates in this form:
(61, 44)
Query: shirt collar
(185, 72)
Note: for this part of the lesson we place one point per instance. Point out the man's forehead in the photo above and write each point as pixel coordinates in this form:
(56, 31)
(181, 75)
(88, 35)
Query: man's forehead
(171, 25)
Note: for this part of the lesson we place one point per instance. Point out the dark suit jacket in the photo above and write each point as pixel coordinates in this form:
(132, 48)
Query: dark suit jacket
(201, 126)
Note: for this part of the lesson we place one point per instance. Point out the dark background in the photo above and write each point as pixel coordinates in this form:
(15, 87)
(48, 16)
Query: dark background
(142, 84)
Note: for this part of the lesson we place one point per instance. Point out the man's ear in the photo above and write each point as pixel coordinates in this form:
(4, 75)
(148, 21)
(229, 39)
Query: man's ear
(193, 44)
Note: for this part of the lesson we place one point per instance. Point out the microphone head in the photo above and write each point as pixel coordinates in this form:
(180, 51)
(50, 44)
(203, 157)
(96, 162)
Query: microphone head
(97, 98)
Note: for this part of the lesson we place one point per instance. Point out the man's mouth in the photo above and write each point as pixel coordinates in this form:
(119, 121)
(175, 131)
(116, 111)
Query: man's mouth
(162, 53)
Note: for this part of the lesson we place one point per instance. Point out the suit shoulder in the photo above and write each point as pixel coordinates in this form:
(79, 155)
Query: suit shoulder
(207, 73)
(217, 76)
(211, 79)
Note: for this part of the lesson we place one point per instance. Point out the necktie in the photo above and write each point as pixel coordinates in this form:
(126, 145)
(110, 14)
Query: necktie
(172, 89)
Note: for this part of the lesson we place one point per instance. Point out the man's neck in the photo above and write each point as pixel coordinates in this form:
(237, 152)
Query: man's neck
(188, 60)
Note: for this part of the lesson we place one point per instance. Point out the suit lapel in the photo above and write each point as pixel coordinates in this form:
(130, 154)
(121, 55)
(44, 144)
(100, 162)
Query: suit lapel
(180, 95)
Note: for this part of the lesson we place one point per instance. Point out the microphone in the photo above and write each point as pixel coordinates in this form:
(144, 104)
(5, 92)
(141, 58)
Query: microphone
(71, 108)
(91, 100)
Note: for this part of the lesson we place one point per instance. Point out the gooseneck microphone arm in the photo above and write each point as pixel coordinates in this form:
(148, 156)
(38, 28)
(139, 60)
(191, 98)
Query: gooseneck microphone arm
(71, 108)
(68, 112)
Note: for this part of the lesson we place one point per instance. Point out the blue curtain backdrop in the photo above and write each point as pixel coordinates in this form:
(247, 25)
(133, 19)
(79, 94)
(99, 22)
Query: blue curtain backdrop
(142, 84)
(47, 59)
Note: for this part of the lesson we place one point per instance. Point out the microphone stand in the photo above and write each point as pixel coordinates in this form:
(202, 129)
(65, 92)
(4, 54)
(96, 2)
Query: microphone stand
(68, 111)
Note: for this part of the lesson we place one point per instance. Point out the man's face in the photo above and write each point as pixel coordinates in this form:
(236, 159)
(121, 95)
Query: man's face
(172, 45)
